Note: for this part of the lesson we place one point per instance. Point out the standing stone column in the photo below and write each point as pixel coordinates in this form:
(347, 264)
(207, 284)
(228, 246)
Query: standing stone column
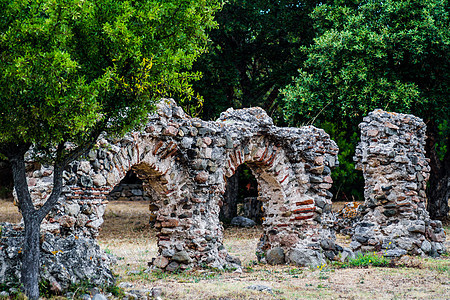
(392, 157)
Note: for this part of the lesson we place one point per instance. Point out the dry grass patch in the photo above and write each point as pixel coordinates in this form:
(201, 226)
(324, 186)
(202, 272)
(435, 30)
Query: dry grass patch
(127, 235)
(9, 212)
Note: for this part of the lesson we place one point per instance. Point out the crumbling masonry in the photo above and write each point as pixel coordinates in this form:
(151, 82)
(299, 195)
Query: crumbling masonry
(392, 157)
(184, 164)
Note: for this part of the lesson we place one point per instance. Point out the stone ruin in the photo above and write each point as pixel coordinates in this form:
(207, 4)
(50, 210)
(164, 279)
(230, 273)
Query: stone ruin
(184, 164)
(393, 218)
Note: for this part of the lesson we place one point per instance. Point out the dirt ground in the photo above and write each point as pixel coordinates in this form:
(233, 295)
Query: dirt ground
(127, 235)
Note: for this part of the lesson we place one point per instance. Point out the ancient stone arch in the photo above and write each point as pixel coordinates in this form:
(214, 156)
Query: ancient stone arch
(187, 162)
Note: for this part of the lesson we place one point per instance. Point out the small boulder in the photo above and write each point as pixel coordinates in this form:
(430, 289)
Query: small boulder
(305, 257)
(99, 180)
(99, 297)
(172, 267)
(161, 262)
(181, 257)
(260, 288)
(242, 222)
(275, 256)
(395, 252)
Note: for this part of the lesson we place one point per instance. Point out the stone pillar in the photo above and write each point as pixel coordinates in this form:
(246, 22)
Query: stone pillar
(392, 157)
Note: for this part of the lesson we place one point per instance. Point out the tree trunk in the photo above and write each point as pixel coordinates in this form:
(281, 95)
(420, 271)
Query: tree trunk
(33, 217)
(438, 195)
(438, 191)
(30, 248)
(31, 256)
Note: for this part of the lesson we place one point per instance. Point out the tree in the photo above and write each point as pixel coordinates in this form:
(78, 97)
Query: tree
(393, 55)
(71, 69)
(254, 52)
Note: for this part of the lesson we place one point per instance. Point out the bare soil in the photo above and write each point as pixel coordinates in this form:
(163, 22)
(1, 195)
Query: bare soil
(127, 235)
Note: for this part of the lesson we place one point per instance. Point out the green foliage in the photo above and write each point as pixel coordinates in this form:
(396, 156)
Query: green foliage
(392, 55)
(442, 140)
(248, 186)
(14, 289)
(115, 291)
(368, 259)
(44, 289)
(254, 52)
(379, 54)
(70, 69)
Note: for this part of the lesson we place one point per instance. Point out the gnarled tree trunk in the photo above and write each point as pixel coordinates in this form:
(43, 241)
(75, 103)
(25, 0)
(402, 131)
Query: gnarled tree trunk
(33, 217)
(30, 248)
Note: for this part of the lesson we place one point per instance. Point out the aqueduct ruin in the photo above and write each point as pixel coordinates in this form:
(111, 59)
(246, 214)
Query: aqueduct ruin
(186, 162)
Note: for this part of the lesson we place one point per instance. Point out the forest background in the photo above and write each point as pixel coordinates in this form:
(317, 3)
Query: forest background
(328, 64)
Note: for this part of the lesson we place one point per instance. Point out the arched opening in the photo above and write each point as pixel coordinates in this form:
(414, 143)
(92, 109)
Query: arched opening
(127, 232)
(266, 197)
(241, 197)
(130, 188)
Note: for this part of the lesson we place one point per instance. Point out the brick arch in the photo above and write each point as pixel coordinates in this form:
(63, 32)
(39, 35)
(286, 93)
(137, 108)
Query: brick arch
(281, 189)
(186, 161)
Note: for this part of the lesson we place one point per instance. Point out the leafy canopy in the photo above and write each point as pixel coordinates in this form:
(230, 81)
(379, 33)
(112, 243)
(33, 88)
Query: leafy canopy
(393, 55)
(254, 52)
(73, 68)
(390, 54)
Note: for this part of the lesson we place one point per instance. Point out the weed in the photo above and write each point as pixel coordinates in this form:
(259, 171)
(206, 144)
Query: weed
(249, 269)
(159, 274)
(294, 271)
(85, 287)
(368, 259)
(115, 291)
(442, 269)
(14, 290)
(44, 289)
(323, 276)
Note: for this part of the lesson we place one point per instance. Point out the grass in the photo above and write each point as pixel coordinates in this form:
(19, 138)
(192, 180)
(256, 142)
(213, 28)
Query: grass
(368, 259)
(9, 212)
(126, 235)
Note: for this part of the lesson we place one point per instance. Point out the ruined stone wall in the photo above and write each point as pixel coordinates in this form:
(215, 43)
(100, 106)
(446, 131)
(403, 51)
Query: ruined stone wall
(185, 162)
(64, 261)
(392, 157)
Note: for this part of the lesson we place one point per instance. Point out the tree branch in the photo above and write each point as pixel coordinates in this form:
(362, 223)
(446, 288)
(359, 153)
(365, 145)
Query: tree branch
(61, 161)
(15, 154)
